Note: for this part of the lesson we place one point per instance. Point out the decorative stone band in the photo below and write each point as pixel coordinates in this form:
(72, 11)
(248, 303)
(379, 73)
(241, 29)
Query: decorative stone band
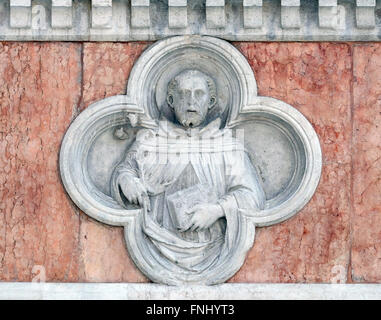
(228, 291)
(244, 20)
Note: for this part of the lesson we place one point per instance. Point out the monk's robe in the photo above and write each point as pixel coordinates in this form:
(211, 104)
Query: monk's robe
(172, 158)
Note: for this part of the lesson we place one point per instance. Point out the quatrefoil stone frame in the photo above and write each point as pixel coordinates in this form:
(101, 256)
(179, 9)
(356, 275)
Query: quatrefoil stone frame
(283, 142)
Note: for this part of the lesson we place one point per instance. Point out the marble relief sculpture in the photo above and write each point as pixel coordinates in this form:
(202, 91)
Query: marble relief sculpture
(193, 160)
(190, 181)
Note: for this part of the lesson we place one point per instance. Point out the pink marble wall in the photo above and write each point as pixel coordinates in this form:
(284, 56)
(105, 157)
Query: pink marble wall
(316, 79)
(336, 237)
(40, 87)
(366, 214)
(104, 256)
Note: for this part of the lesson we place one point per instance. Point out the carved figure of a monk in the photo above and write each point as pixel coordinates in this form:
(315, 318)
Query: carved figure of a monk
(192, 178)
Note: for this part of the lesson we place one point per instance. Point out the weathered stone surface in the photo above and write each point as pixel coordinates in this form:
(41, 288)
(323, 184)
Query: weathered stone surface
(226, 291)
(314, 245)
(106, 69)
(366, 219)
(104, 256)
(172, 259)
(39, 92)
(103, 251)
(233, 20)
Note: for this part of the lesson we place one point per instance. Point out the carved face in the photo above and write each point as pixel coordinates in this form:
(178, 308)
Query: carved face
(191, 94)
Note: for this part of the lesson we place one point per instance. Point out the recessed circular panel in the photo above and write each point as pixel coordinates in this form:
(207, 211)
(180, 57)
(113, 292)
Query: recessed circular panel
(200, 60)
(286, 150)
(104, 154)
(273, 152)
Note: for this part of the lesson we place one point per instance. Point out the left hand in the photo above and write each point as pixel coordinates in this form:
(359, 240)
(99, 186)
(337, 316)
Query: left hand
(204, 215)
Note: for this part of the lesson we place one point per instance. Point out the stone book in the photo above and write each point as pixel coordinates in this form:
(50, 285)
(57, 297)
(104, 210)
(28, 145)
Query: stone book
(181, 201)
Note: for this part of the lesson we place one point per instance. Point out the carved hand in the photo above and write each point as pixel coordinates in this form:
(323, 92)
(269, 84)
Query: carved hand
(134, 191)
(204, 215)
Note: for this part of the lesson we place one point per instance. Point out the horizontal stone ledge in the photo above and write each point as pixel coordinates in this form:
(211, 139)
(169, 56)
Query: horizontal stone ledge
(142, 20)
(228, 291)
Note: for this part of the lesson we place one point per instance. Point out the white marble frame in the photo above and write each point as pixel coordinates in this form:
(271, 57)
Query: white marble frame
(312, 151)
(150, 291)
(136, 108)
(113, 111)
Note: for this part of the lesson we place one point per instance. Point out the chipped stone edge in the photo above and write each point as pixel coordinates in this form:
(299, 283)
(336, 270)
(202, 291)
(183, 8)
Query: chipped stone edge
(229, 291)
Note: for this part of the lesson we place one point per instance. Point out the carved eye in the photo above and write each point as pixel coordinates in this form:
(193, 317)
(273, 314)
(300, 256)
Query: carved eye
(199, 93)
(212, 101)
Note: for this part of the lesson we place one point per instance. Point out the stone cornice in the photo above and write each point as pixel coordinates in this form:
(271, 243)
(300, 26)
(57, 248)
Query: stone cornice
(245, 20)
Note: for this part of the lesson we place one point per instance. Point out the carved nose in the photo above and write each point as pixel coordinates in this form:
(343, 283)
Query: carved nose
(192, 101)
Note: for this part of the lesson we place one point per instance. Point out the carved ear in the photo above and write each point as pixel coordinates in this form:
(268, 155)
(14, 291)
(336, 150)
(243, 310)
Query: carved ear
(170, 100)
(212, 102)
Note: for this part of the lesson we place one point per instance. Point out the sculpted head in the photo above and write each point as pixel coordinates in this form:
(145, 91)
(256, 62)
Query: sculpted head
(191, 94)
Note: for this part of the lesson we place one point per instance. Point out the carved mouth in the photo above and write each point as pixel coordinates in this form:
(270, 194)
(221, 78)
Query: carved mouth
(192, 111)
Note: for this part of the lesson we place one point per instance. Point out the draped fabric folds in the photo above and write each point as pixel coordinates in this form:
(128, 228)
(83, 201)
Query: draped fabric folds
(171, 158)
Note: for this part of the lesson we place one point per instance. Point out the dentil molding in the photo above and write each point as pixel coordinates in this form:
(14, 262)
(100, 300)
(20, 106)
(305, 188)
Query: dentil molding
(141, 20)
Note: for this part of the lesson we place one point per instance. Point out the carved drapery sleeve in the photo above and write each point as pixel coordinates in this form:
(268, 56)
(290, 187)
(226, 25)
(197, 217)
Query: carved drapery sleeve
(244, 190)
(127, 169)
